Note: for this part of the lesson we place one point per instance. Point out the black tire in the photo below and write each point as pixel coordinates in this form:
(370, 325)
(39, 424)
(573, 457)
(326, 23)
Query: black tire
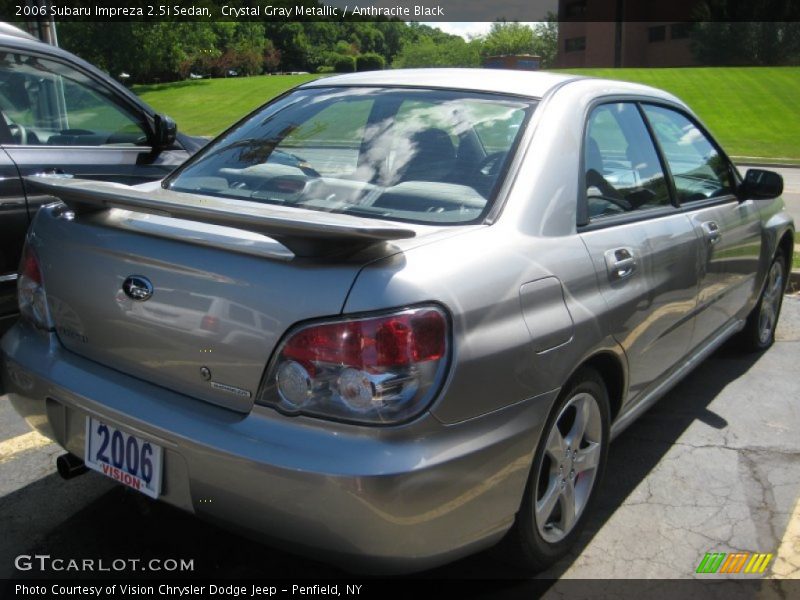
(525, 546)
(754, 338)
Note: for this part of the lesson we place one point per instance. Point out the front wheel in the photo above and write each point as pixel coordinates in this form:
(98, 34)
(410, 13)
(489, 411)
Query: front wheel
(759, 331)
(565, 475)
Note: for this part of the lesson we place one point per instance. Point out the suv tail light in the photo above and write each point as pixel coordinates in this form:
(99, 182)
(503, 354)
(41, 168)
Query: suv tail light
(379, 370)
(210, 323)
(30, 291)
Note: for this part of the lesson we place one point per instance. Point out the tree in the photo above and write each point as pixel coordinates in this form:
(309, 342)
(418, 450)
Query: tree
(344, 64)
(425, 52)
(746, 43)
(545, 40)
(370, 61)
(158, 51)
(290, 38)
(508, 38)
(271, 57)
(730, 32)
(393, 37)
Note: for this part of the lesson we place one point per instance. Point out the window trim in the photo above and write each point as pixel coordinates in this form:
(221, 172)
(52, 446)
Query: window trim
(729, 164)
(662, 159)
(124, 104)
(636, 216)
(583, 222)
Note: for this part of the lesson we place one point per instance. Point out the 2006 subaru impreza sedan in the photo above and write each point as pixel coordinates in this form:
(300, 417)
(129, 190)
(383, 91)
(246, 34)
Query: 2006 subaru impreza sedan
(395, 316)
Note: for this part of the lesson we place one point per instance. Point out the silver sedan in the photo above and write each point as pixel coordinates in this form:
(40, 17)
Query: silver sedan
(395, 317)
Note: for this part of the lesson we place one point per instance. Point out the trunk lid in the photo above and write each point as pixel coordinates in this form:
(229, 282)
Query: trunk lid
(221, 298)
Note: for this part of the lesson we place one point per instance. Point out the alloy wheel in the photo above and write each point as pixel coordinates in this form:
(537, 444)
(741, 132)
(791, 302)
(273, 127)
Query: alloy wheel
(770, 302)
(569, 467)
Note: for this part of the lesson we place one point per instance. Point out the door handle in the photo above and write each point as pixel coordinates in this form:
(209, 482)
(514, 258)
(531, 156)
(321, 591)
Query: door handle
(621, 263)
(712, 231)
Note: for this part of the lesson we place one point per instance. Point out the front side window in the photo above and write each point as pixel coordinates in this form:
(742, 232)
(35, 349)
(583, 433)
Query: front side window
(416, 155)
(697, 167)
(46, 103)
(621, 166)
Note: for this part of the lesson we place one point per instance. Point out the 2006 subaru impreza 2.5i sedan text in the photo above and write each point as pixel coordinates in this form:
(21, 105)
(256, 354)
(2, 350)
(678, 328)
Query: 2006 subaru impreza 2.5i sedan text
(395, 316)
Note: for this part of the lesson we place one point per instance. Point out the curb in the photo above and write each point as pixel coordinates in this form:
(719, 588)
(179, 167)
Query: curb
(752, 161)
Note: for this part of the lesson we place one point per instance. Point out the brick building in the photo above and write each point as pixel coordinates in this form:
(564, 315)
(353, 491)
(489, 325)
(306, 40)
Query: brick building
(588, 37)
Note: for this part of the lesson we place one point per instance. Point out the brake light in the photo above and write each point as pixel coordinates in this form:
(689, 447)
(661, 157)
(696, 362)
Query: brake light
(210, 323)
(382, 369)
(31, 294)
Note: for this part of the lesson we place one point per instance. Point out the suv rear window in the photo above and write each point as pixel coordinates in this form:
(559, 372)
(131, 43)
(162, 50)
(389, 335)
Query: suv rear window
(424, 156)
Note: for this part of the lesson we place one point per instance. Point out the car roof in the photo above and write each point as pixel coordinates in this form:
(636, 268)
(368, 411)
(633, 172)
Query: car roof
(521, 83)
(534, 84)
(8, 29)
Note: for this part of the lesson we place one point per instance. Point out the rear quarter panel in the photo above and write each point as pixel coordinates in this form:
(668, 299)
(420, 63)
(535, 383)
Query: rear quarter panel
(502, 347)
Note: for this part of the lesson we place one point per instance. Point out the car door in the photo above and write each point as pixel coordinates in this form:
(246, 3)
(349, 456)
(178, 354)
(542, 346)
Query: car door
(13, 224)
(643, 247)
(64, 120)
(56, 117)
(729, 230)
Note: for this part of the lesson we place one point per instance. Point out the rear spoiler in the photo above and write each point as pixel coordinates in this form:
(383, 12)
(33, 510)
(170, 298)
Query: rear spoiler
(304, 232)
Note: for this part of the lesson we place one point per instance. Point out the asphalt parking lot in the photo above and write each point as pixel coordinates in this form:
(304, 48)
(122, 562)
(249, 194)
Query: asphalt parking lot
(713, 467)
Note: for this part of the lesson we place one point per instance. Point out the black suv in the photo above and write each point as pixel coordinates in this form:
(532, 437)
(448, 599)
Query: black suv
(61, 115)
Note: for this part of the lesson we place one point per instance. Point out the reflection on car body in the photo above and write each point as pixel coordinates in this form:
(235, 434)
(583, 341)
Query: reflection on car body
(396, 317)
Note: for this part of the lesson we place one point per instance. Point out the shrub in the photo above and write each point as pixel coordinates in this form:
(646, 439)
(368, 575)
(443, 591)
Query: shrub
(370, 61)
(344, 64)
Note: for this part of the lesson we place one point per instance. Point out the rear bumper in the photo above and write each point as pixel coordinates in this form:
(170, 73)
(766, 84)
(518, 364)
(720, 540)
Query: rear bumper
(400, 498)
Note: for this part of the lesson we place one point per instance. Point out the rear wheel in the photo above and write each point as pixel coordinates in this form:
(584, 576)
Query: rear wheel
(759, 331)
(566, 472)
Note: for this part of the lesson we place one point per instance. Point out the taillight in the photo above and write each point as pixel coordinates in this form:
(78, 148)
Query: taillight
(382, 369)
(210, 323)
(30, 291)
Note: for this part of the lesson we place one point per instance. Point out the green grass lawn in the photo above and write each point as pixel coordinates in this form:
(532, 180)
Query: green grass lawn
(208, 106)
(753, 111)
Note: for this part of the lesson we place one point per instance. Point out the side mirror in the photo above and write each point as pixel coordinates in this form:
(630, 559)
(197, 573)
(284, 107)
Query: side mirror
(165, 131)
(759, 184)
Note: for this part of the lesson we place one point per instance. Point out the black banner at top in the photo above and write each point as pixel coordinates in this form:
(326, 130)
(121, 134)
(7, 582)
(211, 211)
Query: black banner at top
(403, 10)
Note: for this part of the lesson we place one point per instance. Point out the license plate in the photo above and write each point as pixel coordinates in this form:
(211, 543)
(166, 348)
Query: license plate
(124, 457)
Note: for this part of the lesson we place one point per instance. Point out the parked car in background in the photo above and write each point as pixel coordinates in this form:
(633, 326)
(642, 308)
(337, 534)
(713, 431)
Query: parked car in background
(59, 114)
(397, 316)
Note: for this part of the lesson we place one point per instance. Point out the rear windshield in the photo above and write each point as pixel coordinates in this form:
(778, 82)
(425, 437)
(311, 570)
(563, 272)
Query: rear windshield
(423, 156)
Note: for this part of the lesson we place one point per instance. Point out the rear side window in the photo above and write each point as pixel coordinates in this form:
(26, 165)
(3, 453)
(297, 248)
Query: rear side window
(621, 167)
(699, 170)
